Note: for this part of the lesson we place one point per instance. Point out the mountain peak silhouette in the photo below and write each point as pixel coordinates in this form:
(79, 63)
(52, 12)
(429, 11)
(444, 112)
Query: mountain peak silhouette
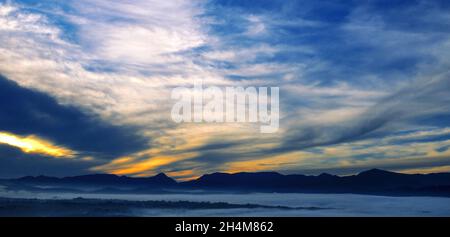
(324, 175)
(377, 172)
(162, 178)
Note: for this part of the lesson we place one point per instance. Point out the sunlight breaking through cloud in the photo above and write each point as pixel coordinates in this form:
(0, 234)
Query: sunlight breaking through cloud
(33, 144)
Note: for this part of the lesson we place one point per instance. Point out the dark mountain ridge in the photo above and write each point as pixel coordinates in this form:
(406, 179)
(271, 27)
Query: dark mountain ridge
(99, 179)
(374, 181)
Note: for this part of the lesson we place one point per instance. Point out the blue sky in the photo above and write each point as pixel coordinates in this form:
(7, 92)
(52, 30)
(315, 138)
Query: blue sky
(363, 84)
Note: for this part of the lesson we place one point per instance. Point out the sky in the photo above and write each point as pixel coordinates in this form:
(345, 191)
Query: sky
(85, 85)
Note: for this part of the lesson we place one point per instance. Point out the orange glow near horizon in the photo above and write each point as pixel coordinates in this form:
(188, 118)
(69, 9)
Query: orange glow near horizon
(133, 167)
(35, 145)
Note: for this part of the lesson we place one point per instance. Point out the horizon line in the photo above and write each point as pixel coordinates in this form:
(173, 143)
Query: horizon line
(232, 173)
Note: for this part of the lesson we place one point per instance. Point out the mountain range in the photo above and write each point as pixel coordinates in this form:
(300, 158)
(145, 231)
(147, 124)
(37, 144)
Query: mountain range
(374, 181)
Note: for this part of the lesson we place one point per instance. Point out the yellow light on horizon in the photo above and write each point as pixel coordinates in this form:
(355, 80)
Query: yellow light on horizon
(33, 144)
(134, 167)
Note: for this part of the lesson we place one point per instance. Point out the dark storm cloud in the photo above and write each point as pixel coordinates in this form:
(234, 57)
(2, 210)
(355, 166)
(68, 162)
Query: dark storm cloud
(25, 112)
(14, 163)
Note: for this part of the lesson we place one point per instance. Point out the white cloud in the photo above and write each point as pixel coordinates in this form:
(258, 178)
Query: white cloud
(256, 26)
(146, 38)
(240, 55)
(145, 55)
(143, 32)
